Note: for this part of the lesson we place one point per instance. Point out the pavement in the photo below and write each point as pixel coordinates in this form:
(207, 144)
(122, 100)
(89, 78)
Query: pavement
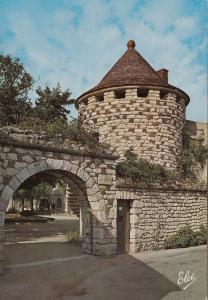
(41, 265)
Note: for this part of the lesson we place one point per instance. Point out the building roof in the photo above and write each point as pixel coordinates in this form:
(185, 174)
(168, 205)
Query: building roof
(130, 70)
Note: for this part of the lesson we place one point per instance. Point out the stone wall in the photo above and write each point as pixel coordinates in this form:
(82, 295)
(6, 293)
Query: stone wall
(157, 214)
(151, 124)
(45, 139)
(196, 129)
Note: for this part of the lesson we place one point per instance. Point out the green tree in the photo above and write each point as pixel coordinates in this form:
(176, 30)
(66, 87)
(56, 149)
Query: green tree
(35, 187)
(42, 190)
(28, 192)
(15, 83)
(51, 104)
(22, 195)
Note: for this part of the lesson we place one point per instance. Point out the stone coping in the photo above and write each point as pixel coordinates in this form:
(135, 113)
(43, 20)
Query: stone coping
(167, 88)
(10, 142)
(130, 187)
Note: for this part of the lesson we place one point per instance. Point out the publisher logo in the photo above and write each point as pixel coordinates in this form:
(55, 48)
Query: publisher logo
(185, 279)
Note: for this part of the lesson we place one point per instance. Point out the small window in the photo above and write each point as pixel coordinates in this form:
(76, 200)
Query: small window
(163, 94)
(100, 98)
(120, 94)
(142, 93)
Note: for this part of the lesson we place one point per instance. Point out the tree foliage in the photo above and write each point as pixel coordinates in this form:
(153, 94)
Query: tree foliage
(22, 195)
(15, 83)
(42, 190)
(35, 187)
(48, 115)
(51, 104)
(15, 106)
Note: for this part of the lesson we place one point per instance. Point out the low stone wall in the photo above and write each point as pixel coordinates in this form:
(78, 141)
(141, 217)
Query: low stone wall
(42, 139)
(157, 214)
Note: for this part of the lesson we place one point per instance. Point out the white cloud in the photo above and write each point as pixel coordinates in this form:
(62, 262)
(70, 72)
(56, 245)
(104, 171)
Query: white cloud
(185, 26)
(78, 54)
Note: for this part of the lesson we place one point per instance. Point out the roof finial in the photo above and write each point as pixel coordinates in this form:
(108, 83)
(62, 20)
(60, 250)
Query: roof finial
(131, 44)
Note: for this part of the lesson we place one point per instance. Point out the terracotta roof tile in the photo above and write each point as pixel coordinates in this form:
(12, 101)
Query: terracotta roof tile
(132, 69)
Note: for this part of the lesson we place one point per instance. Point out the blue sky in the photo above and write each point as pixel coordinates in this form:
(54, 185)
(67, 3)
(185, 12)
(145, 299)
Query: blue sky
(76, 42)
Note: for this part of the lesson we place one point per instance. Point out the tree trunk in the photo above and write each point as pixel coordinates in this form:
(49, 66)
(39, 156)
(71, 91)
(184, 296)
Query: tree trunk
(31, 205)
(23, 204)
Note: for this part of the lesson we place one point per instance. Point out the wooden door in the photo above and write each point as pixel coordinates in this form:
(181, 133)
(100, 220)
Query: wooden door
(123, 226)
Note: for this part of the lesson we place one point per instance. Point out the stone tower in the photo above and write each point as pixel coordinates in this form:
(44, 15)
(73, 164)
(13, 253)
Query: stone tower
(134, 105)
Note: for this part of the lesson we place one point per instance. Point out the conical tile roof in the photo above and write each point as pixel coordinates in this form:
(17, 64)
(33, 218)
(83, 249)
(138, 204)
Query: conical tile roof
(130, 70)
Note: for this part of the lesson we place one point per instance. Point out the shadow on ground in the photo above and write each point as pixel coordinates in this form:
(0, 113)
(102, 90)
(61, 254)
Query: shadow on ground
(35, 252)
(128, 278)
(21, 232)
(59, 270)
(87, 278)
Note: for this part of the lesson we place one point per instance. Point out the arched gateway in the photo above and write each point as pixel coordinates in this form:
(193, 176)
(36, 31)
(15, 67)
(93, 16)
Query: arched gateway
(91, 178)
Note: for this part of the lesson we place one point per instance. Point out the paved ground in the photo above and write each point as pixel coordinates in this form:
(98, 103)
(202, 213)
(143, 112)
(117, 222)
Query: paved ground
(38, 268)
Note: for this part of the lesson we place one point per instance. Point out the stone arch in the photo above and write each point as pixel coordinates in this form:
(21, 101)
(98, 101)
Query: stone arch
(83, 185)
(41, 166)
(92, 179)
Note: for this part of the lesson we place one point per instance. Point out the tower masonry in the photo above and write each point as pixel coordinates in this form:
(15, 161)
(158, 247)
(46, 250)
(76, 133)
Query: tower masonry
(134, 105)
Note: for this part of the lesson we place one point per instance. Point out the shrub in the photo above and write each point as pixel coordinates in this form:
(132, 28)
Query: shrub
(73, 236)
(59, 131)
(202, 235)
(27, 213)
(141, 169)
(193, 158)
(186, 237)
(190, 165)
